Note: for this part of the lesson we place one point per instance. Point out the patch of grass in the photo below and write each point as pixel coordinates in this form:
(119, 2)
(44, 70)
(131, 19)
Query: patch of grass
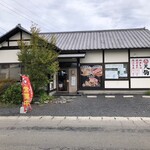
(3, 105)
(147, 92)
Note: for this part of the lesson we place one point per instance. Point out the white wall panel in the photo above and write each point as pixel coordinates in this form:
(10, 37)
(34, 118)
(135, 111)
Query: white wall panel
(117, 84)
(8, 56)
(140, 53)
(15, 37)
(18, 36)
(116, 56)
(92, 57)
(140, 82)
(4, 44)
(25, 36)
(13, 43)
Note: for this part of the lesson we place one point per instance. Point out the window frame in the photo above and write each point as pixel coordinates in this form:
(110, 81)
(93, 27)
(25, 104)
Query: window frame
(9, 64)
(88, 87)
(117, 63)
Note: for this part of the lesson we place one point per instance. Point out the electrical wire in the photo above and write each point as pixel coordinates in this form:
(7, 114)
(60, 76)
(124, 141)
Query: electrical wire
(3, 29)
(33, 13)
(19, 14)
(15, 12)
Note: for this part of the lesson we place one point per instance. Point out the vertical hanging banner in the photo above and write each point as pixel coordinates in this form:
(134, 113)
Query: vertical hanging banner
(27, 93)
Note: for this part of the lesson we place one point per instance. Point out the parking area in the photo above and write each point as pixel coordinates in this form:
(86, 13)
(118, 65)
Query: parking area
(89, 105)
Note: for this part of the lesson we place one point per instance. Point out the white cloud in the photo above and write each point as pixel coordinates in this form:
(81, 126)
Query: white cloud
(66, 15)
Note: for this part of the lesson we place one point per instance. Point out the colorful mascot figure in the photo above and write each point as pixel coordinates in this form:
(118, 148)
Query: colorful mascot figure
(27, 93)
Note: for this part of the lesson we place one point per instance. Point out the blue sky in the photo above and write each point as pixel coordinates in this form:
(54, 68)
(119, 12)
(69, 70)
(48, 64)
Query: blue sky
(74, 15)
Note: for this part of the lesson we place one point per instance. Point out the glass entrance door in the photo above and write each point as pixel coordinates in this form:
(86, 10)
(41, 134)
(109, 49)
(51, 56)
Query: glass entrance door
(63, 80)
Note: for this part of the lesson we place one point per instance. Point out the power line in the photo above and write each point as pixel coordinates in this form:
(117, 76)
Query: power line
(1, 33)
(3, 29)
(32, 12)
(17, 13)
(14, 11)
(28, 10)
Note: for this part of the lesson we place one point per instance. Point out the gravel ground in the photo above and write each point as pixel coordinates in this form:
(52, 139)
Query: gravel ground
(135, 106)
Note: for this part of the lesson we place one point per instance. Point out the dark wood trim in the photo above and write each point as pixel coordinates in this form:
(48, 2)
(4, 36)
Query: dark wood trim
(19, 40)
(116, 63)
(140, 57)
(10, 63)
(114, 89)
(9, 48)
(103, 65)
(21, 35)
(78, 74)
(122, 79)
(8, 42)
(140, 77)
(129, 69)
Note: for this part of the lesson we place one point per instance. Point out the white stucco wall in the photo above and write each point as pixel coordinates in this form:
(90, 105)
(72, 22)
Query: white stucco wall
(116, 56)
(92, 57)
(18, 36)
(116, 84)
(140, 53)
(13, 43)
(140, 82)
(4, 44)
(25, 36)
(9, 56)
(15, 37)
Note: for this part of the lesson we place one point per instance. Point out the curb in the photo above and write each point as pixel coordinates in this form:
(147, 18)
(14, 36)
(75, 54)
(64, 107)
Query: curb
(71, 118)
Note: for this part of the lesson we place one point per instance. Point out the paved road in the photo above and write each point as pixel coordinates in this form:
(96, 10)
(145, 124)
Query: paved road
(74, 133)
(102, 105)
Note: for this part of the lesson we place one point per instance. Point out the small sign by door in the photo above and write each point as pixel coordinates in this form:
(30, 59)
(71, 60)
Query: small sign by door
(73, 81)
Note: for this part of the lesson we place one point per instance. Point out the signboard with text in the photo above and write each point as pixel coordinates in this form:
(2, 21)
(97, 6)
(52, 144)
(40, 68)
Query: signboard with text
(140, 67)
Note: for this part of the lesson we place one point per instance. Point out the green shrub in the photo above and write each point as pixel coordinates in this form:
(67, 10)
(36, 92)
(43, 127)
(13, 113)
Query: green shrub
(45, 97)
(4, 84)
(13, 94)
(147, 92)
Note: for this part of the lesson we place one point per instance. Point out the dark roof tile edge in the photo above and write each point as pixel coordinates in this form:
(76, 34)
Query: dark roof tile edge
(109, 30)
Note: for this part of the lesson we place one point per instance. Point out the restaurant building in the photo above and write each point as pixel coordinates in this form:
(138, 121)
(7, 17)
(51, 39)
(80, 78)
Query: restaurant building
(89, 60)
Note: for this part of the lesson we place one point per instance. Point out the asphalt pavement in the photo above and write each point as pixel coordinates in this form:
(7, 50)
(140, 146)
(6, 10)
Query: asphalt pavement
(88, 105)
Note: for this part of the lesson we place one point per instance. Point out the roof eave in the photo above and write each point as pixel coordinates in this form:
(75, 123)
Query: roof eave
(12, 32)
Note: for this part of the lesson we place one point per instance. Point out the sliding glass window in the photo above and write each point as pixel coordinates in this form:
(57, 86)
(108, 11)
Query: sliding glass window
(10, 71)
(116, 71)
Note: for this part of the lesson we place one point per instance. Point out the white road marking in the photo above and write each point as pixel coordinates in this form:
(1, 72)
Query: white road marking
(91, 96)
(128, 96)
(109, 96)
(146, 96)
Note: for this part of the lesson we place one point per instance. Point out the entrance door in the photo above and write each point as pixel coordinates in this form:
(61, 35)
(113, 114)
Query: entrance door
(63, 80)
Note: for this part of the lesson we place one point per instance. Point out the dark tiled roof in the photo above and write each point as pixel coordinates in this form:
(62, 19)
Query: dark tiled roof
(105, 39)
